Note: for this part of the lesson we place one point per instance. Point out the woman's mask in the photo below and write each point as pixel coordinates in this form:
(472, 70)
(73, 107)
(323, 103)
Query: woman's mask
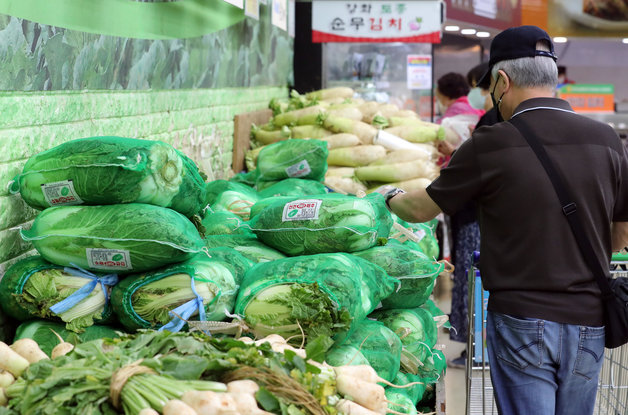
(476, 98)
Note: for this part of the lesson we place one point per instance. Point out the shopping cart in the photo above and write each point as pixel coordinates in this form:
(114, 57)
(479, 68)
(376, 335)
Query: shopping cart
(612, 395)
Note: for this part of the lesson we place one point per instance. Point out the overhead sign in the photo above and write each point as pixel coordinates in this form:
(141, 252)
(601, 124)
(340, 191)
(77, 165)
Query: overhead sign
(376, 21)
(498, 14)
(589, 97)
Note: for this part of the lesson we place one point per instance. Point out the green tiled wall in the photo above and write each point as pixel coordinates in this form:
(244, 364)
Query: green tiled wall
(199, 122)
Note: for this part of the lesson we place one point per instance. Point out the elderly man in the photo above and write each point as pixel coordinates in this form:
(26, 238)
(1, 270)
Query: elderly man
(545, 318)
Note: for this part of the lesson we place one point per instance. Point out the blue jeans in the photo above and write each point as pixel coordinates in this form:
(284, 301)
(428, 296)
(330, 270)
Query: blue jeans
(542, 367)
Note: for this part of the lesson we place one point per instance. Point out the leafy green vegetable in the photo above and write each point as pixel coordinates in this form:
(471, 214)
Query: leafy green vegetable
(248, 246)
(112, 170)
(226, 196)
(293, 187)
(147, 300)
(414, 270)
(225, 223)
(325, 223)
(31, 286)
(414, 392)
(428, 244)
(248, 178)
(319, 294)
(416, 329)
(124, 238)
(296, 158)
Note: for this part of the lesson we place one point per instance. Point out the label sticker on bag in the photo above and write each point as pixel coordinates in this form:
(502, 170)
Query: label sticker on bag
(300, 169)
(109, 259)
(61, 193)
(301, 210)
(420, 234)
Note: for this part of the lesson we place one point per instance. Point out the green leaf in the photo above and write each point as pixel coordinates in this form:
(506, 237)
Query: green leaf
(316, 349)
(267, 400)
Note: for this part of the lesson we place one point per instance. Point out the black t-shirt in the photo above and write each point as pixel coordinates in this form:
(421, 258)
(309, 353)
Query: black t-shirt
(530, 262)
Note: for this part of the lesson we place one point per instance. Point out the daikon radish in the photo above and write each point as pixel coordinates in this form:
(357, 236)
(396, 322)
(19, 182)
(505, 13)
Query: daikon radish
(340, 172)
(151, 411)
(293, 117)
(11, 361)
(29, 350)
(330, 93)
(246, 340)
(177, 407)
(352, 113)
(397, 172)
(6, 379)
(405, 114)
(396, 121)
(269, 137)
(62, 348)
(370, 395)
(400, 156)
(417, 133)
(346, 185)
(282, 347)
(407, 185)
(365, 132)
(355, 156)
(310, 131)
(210, 403)
(368, 374)
(245, 403)
(243, 386)
(347, 407)
(272, 339)
(342, 140)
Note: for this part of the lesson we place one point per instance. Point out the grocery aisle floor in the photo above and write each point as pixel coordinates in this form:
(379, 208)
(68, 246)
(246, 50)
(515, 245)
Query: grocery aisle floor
(455, 386)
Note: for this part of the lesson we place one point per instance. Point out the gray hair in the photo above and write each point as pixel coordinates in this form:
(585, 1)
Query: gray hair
(532, 72)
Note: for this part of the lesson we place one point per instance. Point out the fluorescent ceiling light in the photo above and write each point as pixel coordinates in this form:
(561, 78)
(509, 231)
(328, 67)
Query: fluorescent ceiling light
(624, 40)
(483, 34)
(560, 39)
(468, 31)
(452, 28)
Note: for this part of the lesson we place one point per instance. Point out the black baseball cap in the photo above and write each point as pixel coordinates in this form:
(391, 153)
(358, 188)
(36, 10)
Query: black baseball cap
(515, 43)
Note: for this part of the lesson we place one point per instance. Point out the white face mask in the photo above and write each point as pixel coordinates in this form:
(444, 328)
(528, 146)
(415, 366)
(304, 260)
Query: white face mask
(476, 98)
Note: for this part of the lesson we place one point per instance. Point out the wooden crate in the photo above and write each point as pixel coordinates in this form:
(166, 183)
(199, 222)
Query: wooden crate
(242, 134)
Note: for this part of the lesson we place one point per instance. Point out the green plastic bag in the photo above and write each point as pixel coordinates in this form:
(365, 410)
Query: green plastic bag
(434, 366)
(43, 332)
(237, 263)
(296, 158)
(323, 224)
(248, 246)
(248, 178)
(225, 223)
(293, 187)
(157, 299)
(319, 294)
(111, 170)
(400, 402)
(226, 196)
(439, 316)
(415, 271)
(425, 232)
(416, 329)
(34, 288)
(414, 392)
(376, 343)
(126, 238)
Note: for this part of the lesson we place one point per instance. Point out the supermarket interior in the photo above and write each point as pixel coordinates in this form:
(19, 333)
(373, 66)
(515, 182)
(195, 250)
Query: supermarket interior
(301, 188)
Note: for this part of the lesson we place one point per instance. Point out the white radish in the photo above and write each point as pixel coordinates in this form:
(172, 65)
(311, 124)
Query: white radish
(351, 408)
(62, 348)
(29, 350)
(148, 411)
(368, 374)
(272, 339)
(243, 386)
(245, 403)
(369, 395)
(11, 361)
(177, 407)
(246, 340)
(281, 348)
(6, 379)
(210, 403)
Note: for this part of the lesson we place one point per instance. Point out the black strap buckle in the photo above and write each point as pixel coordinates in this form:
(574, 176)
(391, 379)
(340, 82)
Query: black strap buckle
(569, 209)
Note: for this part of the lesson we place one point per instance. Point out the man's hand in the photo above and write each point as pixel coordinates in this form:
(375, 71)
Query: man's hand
(385, 190)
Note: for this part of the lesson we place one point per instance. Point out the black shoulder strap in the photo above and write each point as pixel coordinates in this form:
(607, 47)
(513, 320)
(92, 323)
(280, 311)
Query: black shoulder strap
(569, 207)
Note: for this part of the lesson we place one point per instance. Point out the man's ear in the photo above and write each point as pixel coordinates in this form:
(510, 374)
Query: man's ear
(505, 79)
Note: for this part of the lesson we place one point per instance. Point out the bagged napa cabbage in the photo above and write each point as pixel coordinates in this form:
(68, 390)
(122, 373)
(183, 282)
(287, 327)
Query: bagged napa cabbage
(293, 187)
(416, 329)
(226, 196)
(323, 224)
(425, 232)
(248, 246)
(43, 332)
(323, 295)
(414, 270)
(414, 386)
(31, 287)
(249, 178)
(126, 238)
(296, 158)
(112, 170)
(225, 223)
(157, 299)
(376, 343)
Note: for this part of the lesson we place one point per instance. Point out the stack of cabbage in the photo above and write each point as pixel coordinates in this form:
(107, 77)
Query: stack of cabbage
(116, 209)
(370, 143)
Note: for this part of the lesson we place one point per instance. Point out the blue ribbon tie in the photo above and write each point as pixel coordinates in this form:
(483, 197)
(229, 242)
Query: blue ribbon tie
(82, 293)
